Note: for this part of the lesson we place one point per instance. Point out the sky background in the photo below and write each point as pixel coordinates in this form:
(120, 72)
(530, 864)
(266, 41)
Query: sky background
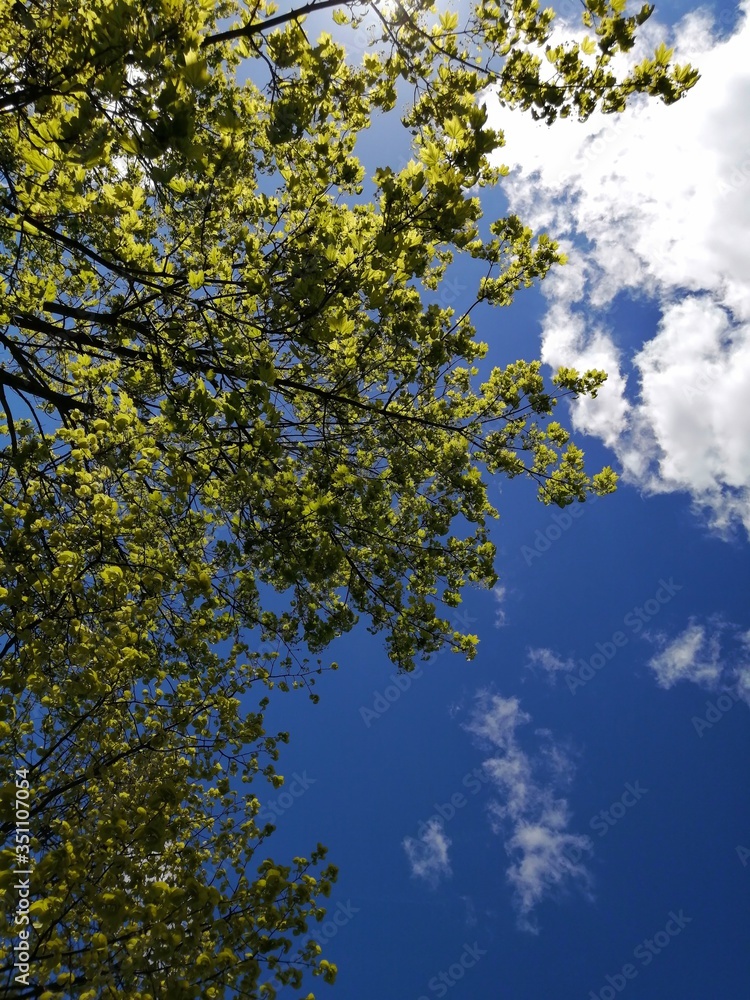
(567, 816)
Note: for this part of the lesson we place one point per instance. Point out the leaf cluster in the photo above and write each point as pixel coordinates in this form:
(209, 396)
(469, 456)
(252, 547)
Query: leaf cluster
(238, 417)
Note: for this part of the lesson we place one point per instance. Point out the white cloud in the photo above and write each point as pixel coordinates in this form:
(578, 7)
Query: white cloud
(714, 655)
(499, 593)
(547, 660)
(543, 855)
(655, 204)
(497, 719)
(544, 858)
(743, 681)
(428, 854)
(692, 656)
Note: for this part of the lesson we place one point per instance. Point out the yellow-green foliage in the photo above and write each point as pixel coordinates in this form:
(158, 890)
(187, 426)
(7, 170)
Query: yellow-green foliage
(225, 369)
(123, 681)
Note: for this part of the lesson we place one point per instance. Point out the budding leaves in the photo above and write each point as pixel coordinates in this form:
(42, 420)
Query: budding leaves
(262, 423)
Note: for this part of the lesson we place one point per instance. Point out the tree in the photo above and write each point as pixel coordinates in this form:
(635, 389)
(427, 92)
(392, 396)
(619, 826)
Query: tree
(125, 711)
(225, 373)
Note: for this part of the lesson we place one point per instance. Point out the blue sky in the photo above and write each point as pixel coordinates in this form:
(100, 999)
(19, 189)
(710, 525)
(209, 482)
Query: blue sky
(567, 816)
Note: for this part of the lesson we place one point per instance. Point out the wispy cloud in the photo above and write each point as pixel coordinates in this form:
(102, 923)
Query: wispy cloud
(655, 204)
(428, 853)
(470, 911)
(691, 656)
(527, 809)
(499, 593)
(548, 661)
(715, 654)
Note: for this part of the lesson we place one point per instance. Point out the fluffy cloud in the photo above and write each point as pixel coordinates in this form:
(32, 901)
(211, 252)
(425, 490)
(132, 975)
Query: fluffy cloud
(654, 205)
(527, 808)
(428, 854)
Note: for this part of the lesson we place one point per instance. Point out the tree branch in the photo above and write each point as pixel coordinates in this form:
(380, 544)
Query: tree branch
(256, 27)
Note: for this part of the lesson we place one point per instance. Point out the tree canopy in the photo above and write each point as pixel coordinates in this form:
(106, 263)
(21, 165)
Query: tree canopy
(237, 419)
